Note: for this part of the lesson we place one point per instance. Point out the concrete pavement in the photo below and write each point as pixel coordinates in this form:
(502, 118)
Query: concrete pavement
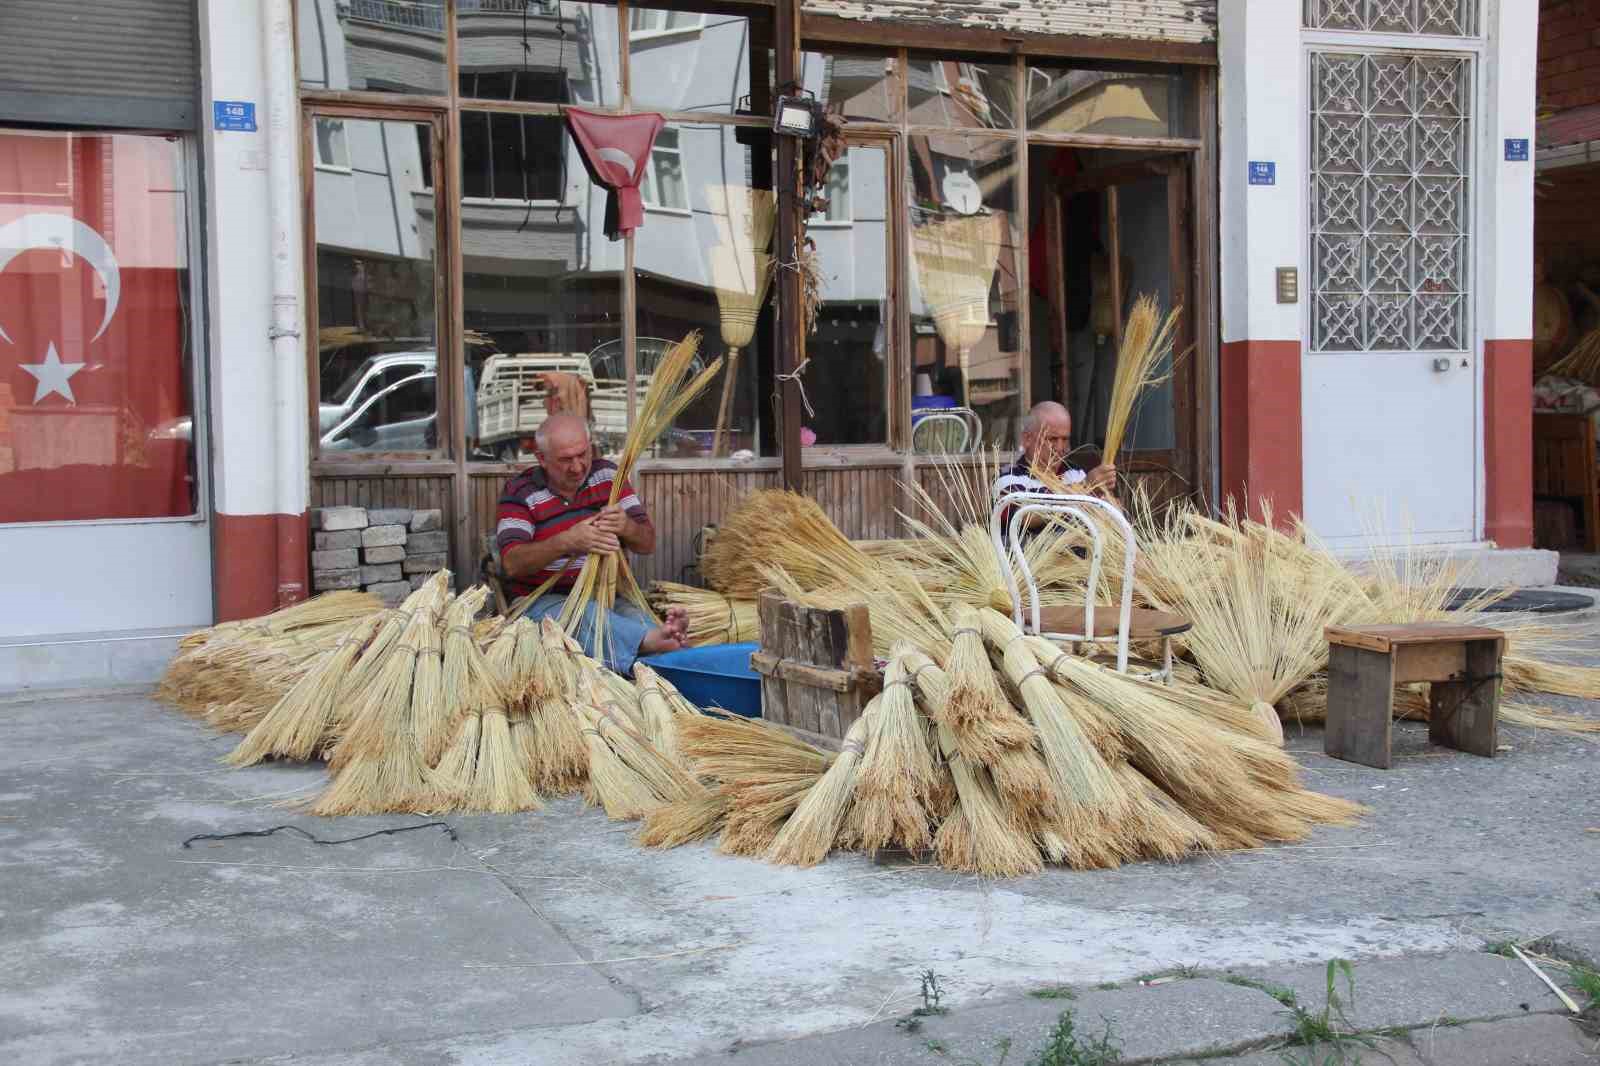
(552, 939)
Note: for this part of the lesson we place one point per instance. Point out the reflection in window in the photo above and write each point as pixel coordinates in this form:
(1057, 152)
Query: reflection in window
(961, 197)
(710, 268)
(375, 225)
(96, 380)
(949, 92)
(512, 157)
(663, 178)
(687, 61)
(856, 85)
(542, 51)
(393, 46)
(1065, 99)
(542, 305)
(851, 347)
(331, 148)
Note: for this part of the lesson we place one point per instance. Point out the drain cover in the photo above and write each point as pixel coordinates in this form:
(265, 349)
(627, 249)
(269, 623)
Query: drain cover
(1533, 601)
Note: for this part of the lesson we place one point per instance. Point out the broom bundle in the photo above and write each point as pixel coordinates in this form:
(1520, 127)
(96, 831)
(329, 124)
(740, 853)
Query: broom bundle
(897, 773)
(762, 774)
(712, 617)
(562, 762)
(604, 576)
(740, 277)
(1143, 363)
(955, 260)
(810, 833)
(774, 527)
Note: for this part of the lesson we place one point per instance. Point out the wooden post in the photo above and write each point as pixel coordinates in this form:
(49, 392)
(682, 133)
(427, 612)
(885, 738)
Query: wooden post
(1462, 714)
(1360, 705)
(791, 325)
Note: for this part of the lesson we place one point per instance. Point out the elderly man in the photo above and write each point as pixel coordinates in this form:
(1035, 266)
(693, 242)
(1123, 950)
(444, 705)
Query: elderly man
(553, 515)
(1046, 442)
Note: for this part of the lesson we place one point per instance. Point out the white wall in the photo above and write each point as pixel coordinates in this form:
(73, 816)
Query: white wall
(1505, 250)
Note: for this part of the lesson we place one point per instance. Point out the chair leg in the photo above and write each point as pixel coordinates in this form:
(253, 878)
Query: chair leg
(1166, 660)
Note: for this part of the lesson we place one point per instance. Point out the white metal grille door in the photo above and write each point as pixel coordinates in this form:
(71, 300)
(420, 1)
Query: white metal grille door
(1390, 386)
(1389, 204)
(1448, 18)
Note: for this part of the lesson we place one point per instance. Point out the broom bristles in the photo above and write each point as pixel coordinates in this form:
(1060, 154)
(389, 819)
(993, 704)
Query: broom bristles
(808, 835)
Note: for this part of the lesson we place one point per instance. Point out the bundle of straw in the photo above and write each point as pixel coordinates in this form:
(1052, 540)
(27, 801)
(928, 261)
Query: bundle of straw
(563, 754)
(897, 773)
(1142, 364)
(712, 617)
(774, 527)
(603, 576)
(762, 773)
(809, 834)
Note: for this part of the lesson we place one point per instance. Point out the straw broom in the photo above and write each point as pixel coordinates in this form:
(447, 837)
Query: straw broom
(979, 835)
(1146, 342)
(612, 784)
(376, 766)
(712, 617)
(562, 761)
(298, 724)
(763, 772)
(955, 259)
(684, 822)
(668, 781)
(897, 772)
(658, 713)
(808, 835)
(978, 713)
(432, 708)
(741, 280)
(603, 576)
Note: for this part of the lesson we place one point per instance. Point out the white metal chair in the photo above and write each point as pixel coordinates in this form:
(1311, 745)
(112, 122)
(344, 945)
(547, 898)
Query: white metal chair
(1014, 494)
(960, 424)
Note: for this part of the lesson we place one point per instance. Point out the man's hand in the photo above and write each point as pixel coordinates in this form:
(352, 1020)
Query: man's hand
(611, 520)
(1103, 478)
(590, 536)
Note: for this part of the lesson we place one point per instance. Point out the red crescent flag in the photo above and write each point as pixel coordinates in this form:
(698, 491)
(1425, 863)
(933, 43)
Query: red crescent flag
(617, 149)
(95, 417)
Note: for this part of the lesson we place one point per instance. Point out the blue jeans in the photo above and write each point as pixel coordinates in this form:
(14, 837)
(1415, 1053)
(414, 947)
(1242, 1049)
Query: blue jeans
(626, 627)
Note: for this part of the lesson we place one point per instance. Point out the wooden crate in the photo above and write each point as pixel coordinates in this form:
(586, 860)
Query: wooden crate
(816, 666)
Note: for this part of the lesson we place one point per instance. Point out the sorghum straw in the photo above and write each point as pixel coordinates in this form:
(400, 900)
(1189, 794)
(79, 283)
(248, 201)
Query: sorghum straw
(1146, 341)
(897, 772)
(808, 835)
(978, 712)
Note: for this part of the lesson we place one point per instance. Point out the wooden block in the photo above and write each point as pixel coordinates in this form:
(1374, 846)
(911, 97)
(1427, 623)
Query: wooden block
(1383, 638)
(1464, 714)
(1360, 705)
(1429, 662)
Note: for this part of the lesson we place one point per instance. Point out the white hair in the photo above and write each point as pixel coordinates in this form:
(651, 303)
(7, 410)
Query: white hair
(541, 435)
(1031, 420)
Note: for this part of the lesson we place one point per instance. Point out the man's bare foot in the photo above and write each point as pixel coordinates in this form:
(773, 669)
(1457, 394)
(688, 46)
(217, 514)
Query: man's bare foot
(677, 623)
(661, 639)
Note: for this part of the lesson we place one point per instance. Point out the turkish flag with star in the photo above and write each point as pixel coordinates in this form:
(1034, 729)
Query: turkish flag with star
(95, 358)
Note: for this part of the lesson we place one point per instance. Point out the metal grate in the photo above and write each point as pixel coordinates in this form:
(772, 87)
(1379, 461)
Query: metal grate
(1389, 171)
(1449, 18)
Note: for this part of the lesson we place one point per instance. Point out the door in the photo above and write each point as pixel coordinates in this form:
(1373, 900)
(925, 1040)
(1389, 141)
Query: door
(102, 515)
(1390, 383)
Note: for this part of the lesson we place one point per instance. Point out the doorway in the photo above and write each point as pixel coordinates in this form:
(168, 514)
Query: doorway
(1108, 226)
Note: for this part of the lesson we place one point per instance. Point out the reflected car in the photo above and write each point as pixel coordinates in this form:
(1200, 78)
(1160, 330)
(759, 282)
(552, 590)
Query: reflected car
(403, 417)
(375, 373)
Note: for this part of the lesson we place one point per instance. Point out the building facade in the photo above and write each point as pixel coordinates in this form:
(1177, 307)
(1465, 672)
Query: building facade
(330, 269)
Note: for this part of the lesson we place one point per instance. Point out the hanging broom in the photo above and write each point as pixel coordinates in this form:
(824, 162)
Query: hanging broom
(955, 259)
(741, 280)
(808, 835)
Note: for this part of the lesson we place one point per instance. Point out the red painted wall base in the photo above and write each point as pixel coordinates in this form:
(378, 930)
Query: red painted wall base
(259, 563)
(1508, 442)
(1260, 455)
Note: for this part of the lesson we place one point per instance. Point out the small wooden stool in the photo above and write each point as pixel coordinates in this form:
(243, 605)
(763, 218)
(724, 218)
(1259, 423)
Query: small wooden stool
(1365, 663)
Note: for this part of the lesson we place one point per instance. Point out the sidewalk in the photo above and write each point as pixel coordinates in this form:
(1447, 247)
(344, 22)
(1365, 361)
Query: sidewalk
(552, 939)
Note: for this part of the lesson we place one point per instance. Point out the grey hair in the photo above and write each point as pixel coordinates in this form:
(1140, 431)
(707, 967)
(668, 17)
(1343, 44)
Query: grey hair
(1031, 420)
(541, 436)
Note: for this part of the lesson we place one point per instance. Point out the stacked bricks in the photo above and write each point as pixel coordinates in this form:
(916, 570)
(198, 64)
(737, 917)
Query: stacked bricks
(385, 551)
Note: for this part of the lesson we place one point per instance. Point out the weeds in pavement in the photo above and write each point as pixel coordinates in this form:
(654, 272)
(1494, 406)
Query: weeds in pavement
(1501, 948)
(1066, 1047)
(1003, 1046)
(1108, 986)
(1588, 982)
(1281, 993)
(1327, 1037)
(1054, 992)
(932, 993)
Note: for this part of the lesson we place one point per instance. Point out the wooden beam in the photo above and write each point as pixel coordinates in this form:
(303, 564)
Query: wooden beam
(791, 318)
(946, 38)
(1114, 253)
(1124, 173)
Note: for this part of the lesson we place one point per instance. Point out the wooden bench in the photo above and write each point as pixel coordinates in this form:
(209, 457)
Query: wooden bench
(1365, 663)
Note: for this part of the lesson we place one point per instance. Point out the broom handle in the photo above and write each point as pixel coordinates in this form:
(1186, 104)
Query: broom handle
(725, 408)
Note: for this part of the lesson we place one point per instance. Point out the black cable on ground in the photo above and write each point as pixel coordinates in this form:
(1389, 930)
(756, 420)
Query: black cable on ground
(448, 829)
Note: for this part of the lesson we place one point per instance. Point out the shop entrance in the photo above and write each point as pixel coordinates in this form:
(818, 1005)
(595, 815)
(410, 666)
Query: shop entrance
(1108, 226)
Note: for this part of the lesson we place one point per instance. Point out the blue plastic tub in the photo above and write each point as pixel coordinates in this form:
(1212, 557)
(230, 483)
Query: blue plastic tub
(717, 675)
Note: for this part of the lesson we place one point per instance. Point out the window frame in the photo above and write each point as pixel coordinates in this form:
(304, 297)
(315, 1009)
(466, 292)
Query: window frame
(331, 166)
(650, 183)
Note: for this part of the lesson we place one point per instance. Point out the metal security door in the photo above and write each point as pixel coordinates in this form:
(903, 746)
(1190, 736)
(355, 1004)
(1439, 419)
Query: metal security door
(1391, 378)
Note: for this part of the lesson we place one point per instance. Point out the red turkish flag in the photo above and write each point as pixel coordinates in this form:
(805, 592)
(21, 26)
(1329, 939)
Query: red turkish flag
(617, 149)
(95, 417)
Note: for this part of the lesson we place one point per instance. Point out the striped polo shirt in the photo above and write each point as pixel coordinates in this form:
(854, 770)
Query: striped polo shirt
(529, 511)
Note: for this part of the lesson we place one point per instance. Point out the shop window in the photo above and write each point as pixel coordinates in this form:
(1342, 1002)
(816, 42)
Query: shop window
(858, 85)
(377, 348)
(944, 91)
(1106, 103)
(332, 151)
(96, 363)
(539, 51)
(966, 351)
(682, 60)
(393, 46)
(709, 268)
(662, 186)
(512, 157)
(850, 350)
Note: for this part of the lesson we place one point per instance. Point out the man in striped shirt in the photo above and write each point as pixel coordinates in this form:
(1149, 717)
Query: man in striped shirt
(553, 515)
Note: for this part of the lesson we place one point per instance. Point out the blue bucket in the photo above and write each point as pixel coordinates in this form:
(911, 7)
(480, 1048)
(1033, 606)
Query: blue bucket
(717, 675)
